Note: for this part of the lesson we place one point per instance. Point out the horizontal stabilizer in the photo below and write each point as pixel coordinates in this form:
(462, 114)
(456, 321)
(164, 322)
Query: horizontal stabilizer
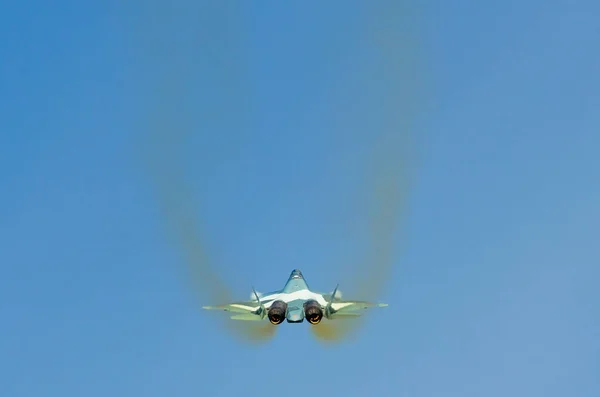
(346, 314)
(241, 307)
(246, 317)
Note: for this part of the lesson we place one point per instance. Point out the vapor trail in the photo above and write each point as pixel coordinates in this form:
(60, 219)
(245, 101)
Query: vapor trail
(164, 160)
(173, 33)
(386, 80)
(390, 80)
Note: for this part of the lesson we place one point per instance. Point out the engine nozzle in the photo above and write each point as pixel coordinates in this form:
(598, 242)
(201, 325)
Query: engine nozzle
(277, 312)
(313, 312)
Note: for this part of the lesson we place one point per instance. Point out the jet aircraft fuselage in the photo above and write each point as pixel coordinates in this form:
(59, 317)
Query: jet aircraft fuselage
(294, 303)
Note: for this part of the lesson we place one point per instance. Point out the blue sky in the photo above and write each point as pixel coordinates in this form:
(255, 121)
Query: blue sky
(492, 289)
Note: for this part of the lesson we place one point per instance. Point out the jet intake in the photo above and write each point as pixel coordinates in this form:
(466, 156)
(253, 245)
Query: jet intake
(313, 312)
(277, 312)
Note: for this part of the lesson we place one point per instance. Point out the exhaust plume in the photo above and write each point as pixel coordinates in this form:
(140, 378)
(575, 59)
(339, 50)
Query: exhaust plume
(377, 97)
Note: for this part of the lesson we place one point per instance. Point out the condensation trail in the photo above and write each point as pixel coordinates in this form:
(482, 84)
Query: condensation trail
(392, 81)
(171, 34)
(389, 79)
(164, 159)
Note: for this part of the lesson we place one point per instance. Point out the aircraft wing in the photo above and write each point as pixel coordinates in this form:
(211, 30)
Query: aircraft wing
(249, 311)
(350, 308)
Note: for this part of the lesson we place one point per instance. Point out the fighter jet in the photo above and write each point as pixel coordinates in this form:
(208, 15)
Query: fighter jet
(294, 303)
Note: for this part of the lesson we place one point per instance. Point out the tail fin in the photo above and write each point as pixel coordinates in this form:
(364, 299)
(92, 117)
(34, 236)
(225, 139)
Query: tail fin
(329, 309)
(262, 311)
